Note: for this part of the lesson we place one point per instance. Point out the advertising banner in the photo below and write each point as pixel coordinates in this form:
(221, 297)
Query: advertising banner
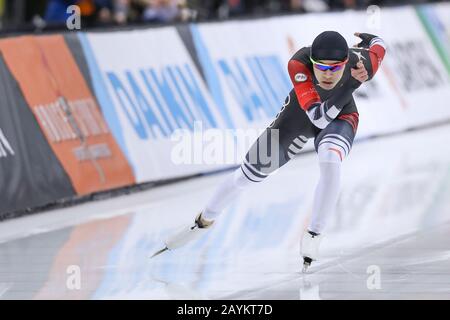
(67, 112)
(156, 102)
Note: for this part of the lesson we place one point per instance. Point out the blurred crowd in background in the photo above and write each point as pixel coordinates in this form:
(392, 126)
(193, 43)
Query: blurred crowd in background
(40, 14)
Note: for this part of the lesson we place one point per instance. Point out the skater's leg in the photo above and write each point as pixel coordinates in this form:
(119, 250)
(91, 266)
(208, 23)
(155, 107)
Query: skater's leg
(327, 189)
(333, 144)
(281, 141)
(264, 157)
(225, 193)
(284, 138)
(254, 169)
(325, 198)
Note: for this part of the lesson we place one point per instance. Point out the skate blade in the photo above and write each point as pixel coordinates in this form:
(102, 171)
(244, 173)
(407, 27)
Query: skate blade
(305, 267)
(159, 252)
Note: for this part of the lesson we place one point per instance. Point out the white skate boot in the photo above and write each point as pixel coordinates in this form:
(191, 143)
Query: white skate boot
(187, 234)
(310, 248)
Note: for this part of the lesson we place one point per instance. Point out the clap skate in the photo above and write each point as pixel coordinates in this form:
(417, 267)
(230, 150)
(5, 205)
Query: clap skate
(187, 234)
(310, 248)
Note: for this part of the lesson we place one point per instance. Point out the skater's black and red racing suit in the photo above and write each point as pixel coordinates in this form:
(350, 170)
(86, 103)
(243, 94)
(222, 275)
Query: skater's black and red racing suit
(310, 95)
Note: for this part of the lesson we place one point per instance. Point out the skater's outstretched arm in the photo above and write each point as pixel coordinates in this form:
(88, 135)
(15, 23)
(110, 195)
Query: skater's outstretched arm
(372, 52)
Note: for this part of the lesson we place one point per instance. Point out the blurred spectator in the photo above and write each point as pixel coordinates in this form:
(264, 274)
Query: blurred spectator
(57, 11)
(346, 4)
(206, 9)
(97, 10)
(121, 13)
(315, 5)
(29, 13)
(2, 11)
(296, 5)
(161, 11)
(92, 11)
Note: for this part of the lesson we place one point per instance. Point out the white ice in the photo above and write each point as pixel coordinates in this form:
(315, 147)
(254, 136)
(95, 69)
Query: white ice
(389, 239)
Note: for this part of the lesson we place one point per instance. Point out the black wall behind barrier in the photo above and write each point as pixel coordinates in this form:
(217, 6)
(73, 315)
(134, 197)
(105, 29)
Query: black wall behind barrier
(30, 173)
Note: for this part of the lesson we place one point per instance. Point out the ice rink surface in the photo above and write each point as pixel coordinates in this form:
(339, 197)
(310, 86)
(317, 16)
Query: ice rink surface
(389, 238)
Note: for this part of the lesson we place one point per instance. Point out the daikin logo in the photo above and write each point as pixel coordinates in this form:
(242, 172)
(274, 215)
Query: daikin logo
(5, 147)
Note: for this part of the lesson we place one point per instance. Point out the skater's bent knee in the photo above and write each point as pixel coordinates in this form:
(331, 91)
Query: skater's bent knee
(328, 152)
(248, 174)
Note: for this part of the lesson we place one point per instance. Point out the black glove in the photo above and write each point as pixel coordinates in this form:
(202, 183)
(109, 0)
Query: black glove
(366, 39)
